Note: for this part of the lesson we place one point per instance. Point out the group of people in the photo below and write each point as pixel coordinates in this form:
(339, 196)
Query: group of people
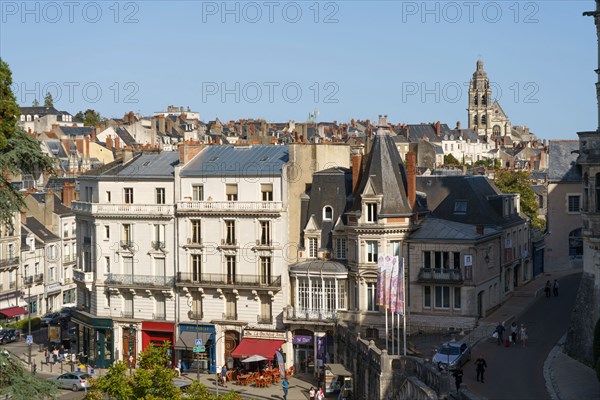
(56, 354)
(480, 367)
(551, 287)
(314, 394)
(516, 334)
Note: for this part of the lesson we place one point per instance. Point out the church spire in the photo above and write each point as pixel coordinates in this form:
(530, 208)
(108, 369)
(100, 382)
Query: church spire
(596, 15)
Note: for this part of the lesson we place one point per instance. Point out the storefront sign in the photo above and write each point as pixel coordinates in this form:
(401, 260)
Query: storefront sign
(54, 287)
(256, 334)
(197, 328)
(299, 339)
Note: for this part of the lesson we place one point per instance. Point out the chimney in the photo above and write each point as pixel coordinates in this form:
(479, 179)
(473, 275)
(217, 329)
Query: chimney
(161, 124)
(437, 129)
(458, 125)
(87, 147)
(127, 154)
(479, 229)
(117, 142)
(68, 194)
(94, 135)
(356, 161)
(531, 163)
(187, 151)
(79, 145)
(109, 142)
(411, 172)
(543, 159)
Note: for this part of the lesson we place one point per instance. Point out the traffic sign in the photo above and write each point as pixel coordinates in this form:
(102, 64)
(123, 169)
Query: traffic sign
(29, 339)
(198, 342)
(199, 349)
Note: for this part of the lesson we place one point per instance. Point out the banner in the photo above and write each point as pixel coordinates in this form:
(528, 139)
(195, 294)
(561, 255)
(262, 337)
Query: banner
(394, 284)
(387, 281)
(400, 286)
(380, 280)
(281, 364)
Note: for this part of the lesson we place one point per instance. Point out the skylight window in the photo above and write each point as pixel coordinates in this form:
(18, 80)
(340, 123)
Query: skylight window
(460, 207)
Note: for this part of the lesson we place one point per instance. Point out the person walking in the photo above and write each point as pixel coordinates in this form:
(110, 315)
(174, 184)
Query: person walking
(513, 332)
(286, 386)
(555, 286)
(480, 365)
(224, 375)
(320, 394)
(523, 334)
(547, 288)
(311, 393)
(500, 331)
(458, 376)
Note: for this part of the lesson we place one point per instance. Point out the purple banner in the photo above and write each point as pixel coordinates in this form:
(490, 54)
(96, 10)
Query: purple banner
(321, 344)
(299, 339)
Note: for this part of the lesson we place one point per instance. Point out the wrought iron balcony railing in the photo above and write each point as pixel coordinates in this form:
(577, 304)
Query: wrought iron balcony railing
(139, 280)
(195, 316)
(83, 277)
(158, 245)
(126, 244)
(10, 261)
(310, 314)
(229, 280)
(38, 278)
(159, 316)
(69, 258)
(264, 319)
(440, 275)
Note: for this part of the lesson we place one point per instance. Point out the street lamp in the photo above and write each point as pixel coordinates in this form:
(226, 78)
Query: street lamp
(28, 282)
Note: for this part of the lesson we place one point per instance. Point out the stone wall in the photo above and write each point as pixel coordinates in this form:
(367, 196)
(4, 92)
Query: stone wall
(580, 336)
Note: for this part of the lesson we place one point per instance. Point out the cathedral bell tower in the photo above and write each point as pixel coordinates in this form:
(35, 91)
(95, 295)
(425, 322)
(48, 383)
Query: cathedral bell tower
(480, 95)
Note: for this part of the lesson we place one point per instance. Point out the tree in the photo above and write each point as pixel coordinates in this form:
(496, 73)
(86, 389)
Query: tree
(154, 377)
(449, 159)
(116, 384)
(89, 117)
(36, 103)
(198, 391)
(519, 182)
(19, 152)
(48, 100)
(18, 384)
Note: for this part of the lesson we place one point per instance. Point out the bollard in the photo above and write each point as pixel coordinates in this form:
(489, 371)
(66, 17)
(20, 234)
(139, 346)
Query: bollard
(61, 367)
(72, 367)
(50, 367)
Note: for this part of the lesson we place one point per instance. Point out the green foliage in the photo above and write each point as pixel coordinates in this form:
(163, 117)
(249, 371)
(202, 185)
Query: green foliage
(198, 391)
(449, 159)
(596, 347)
(36, 103)
(24, 324)
(89, 117)
(519, 182)
(18, 384)
(9, 110)
(116, 384)
(489, 163)
(48, 100)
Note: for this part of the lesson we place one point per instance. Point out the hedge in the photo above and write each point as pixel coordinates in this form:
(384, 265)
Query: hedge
(23, 324)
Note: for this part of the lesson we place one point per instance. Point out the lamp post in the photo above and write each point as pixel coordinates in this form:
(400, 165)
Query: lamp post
(27, 282)
(217, 368)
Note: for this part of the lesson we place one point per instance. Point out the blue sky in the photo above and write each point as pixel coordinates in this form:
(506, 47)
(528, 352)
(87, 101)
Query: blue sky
(281, 60)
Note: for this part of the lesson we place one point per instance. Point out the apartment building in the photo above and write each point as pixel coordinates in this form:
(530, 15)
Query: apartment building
(10, 239)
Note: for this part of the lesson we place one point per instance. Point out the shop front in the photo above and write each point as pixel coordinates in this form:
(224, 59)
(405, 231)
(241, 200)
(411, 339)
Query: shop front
(260, 343)
(304, 342)
(185, 343)
(95, 340)
(157, 333)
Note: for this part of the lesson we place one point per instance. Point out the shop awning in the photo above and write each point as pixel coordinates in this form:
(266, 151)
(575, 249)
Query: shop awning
(338, 369)
(186, 340)
(12, 312)
(263, 347)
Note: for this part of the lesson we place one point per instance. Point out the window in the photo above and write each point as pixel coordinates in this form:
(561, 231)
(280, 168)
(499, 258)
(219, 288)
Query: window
(73, 229)
(442, 297)
(265, 233)
(195, 232)
(460, 207)
(128, 195)
(106, 232)
(127, 234)
(575, 243)
(160, 195)
(317, 293)
(598, 192)
(196, 267)
(161, 307)
(457, 298)
(265, 270)
(231, 307)
(371, 251)
(50, 274)
(496, 131)
(159, 236)
(230, 232)
(484, 102)
(342, 288)
(266, 191)
(265, 308)
(394, 248)
(197, 305)
(107, 264)
(484, 120)
(312, 247)
(230, 261)
(329, 295)
(573, 203)
(475, 117)
(108, 196)
(340, 249)
(372, 212)
(327, 213)
(198, 192)
(372, 296)
(303, 294)
(231, 190)
(427, 296)
(65, 230)
(128, 309)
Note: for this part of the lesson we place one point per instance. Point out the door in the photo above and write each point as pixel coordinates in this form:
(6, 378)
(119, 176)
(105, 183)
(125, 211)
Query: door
(301, 360)
(129, 346)
(516, 276)
(480, 304)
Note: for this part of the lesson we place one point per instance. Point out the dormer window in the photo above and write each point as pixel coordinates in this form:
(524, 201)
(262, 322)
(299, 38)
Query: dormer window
(327, 213)
(22, 118)
(28, 118)
(460, 207)
(371, 212)
(312, 247)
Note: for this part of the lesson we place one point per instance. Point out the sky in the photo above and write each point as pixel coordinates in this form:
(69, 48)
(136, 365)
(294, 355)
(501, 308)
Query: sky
(282, 60)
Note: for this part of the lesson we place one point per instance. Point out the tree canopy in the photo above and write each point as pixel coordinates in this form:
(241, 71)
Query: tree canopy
(48, 100)
(519, 182)
(89, 117)
(449, 159)
(18, 384)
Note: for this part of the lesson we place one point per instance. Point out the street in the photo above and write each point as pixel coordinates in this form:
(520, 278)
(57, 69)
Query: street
(517, 372)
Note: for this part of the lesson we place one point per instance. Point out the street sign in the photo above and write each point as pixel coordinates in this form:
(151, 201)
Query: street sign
(29, 339)
(198, 342)
(199, 349)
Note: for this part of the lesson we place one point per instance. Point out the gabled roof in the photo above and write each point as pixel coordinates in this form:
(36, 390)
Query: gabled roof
(436, 229)
(41, 111)
(228, 160)
(496, 106)
(419, 131)
(77, 130)
(562, 162)
(125, 136)
(40, 231)
(150, 166)
(59, 207)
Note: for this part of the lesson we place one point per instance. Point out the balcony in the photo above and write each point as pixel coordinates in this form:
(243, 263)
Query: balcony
(225, 280)
(440, 275)
(126, 314)
(9, 262)
(303, 314)
(128, 210)
(230, 207)
(27, 280)
(159, 316)
(126, 244)
(158, 245)
(12, 285)
(83, 277)
(144, 281)
(69, 259)
(264, 319)
(230, 316)
(229, 243)
(38, 278)
(195, 316)
(264, 244)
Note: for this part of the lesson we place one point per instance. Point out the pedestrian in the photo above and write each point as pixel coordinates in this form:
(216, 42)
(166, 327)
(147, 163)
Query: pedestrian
(55, 355)
(320, 394)
(178, 368)
(458, 376)
(224, 375)
(131, 361)
(500, 331)
(47, 356)
(311, 393)
(555, 288)
(286, 386)
(481, 365)
(547, 288)
(523, 334)
(513, 332)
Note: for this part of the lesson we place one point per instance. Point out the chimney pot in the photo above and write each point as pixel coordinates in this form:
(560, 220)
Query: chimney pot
(479, 229)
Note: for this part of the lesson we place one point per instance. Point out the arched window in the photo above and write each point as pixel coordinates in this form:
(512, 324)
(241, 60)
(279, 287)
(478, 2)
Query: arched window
(475, 120)
(586, 191)
(475, 100)
(327, 213)
(575, 243)
(484, 100)
(484, 120)
(28, 118)
(496, 130)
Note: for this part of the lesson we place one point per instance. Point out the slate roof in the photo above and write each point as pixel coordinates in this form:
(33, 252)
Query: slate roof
(318, 266)
(125, 136)
(24, 245)
(77, 130)
(56, 148)
(59, 207)
(418, 131)
(227, 160)
(466, 134)
(55, 183)
(41, 111)
(151, 166)
(436, 229)
(40, 231)
(562, 165)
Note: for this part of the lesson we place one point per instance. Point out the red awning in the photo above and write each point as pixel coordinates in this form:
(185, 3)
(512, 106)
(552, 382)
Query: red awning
(13, 312)
(263, 347)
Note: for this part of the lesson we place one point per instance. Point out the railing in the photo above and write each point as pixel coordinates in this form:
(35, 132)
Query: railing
(264, 243)
(229, 242)
(126, 244)
(38, 278)
(232, 280)
(123, 209)
(66, 281)
(264, 319)
(230, 316)
(126, 314)
(440, 275)
(9, 261)
(27, 280)
(195, 316)
(12, 285)
(158, 245)
(310, 314)
(81, 276)
(69, 259)
(139, 280)
(241, 206)
(159, 317)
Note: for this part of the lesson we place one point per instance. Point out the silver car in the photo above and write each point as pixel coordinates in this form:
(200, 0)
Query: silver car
(72, 380)
(452, 355)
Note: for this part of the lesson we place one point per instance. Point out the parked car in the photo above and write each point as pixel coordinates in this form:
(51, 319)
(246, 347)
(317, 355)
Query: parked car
(46, 319)
(8, 336)
(72, 380)
(66, 313)
(452, 355)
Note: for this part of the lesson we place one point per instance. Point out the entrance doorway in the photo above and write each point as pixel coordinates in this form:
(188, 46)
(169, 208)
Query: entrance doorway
(516, 276)
(480, 304)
